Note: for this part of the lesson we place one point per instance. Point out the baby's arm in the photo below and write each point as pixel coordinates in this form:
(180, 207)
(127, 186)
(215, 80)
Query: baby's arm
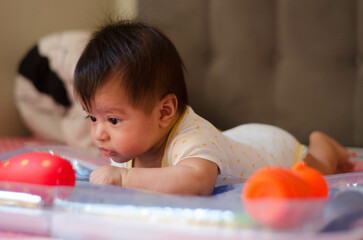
(192, 176)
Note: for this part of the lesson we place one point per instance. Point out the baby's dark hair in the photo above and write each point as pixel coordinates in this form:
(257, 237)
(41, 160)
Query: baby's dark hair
(144, 60)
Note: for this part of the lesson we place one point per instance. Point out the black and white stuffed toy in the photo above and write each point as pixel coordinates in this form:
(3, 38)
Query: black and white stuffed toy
(44, 92)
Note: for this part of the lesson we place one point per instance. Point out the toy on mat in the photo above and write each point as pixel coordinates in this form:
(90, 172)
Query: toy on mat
(269, 194)
(38, 168)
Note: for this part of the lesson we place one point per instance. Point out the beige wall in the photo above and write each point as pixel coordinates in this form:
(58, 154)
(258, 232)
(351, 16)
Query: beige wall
(23, 22)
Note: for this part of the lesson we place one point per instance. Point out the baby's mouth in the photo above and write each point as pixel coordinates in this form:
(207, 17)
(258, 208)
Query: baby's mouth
(106, 152)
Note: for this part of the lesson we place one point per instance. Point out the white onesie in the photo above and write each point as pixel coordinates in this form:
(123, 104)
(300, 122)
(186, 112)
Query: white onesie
(238, 152)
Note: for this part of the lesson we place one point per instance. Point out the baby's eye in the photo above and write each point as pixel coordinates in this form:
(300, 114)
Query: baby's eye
(114, 121)
(92, 118)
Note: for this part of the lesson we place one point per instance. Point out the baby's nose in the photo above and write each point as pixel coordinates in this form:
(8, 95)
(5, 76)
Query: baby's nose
(100, 133)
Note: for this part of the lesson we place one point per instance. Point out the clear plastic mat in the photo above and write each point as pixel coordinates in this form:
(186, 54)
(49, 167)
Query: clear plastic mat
(90, 211)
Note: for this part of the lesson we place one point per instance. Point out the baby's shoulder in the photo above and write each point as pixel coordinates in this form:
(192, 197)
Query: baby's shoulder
(198, 133)
(195, 126)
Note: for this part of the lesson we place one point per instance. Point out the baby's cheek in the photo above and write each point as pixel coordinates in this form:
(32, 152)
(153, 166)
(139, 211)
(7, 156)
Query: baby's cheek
(93, 136)
(129, 146)
(93, 139)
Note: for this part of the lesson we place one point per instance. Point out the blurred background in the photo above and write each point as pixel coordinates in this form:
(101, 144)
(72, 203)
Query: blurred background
(295, 64)
(23, 22)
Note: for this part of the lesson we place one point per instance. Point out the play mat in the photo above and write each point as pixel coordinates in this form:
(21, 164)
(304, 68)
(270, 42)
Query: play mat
(89, 211)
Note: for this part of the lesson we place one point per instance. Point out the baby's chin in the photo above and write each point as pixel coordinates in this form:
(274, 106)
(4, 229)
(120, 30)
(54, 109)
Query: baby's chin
(119, 159)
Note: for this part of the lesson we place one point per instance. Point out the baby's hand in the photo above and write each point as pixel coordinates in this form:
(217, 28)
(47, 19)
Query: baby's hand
(108, 175)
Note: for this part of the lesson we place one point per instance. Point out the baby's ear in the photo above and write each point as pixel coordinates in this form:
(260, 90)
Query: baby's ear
(168, 109)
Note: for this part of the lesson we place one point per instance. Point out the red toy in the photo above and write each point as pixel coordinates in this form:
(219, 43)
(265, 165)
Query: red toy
(38, 168)
(269, 195)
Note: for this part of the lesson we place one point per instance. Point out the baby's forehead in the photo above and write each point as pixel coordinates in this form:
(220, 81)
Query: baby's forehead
(103, 97)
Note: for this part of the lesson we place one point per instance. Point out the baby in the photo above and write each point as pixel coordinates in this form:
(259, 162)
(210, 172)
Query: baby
(130, 81)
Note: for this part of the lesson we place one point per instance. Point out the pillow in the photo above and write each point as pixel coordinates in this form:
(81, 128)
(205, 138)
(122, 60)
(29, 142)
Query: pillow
(44, 90)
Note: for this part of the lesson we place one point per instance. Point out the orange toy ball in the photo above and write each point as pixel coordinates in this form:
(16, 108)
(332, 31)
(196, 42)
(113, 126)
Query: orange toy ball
(275, 183)
(314, 178)
(267, 194)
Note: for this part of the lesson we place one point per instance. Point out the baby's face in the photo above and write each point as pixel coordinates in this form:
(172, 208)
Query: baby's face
(121, 131)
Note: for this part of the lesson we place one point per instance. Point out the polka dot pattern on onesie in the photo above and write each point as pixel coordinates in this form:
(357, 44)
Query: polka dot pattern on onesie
(238, 152)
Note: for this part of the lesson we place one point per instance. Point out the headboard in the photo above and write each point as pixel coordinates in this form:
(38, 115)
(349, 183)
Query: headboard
(294, 64)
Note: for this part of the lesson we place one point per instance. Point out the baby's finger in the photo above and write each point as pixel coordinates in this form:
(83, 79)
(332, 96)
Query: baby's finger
(96, 178)
(93, 178)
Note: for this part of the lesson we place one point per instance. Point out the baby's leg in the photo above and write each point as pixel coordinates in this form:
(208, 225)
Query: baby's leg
(327, 155)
